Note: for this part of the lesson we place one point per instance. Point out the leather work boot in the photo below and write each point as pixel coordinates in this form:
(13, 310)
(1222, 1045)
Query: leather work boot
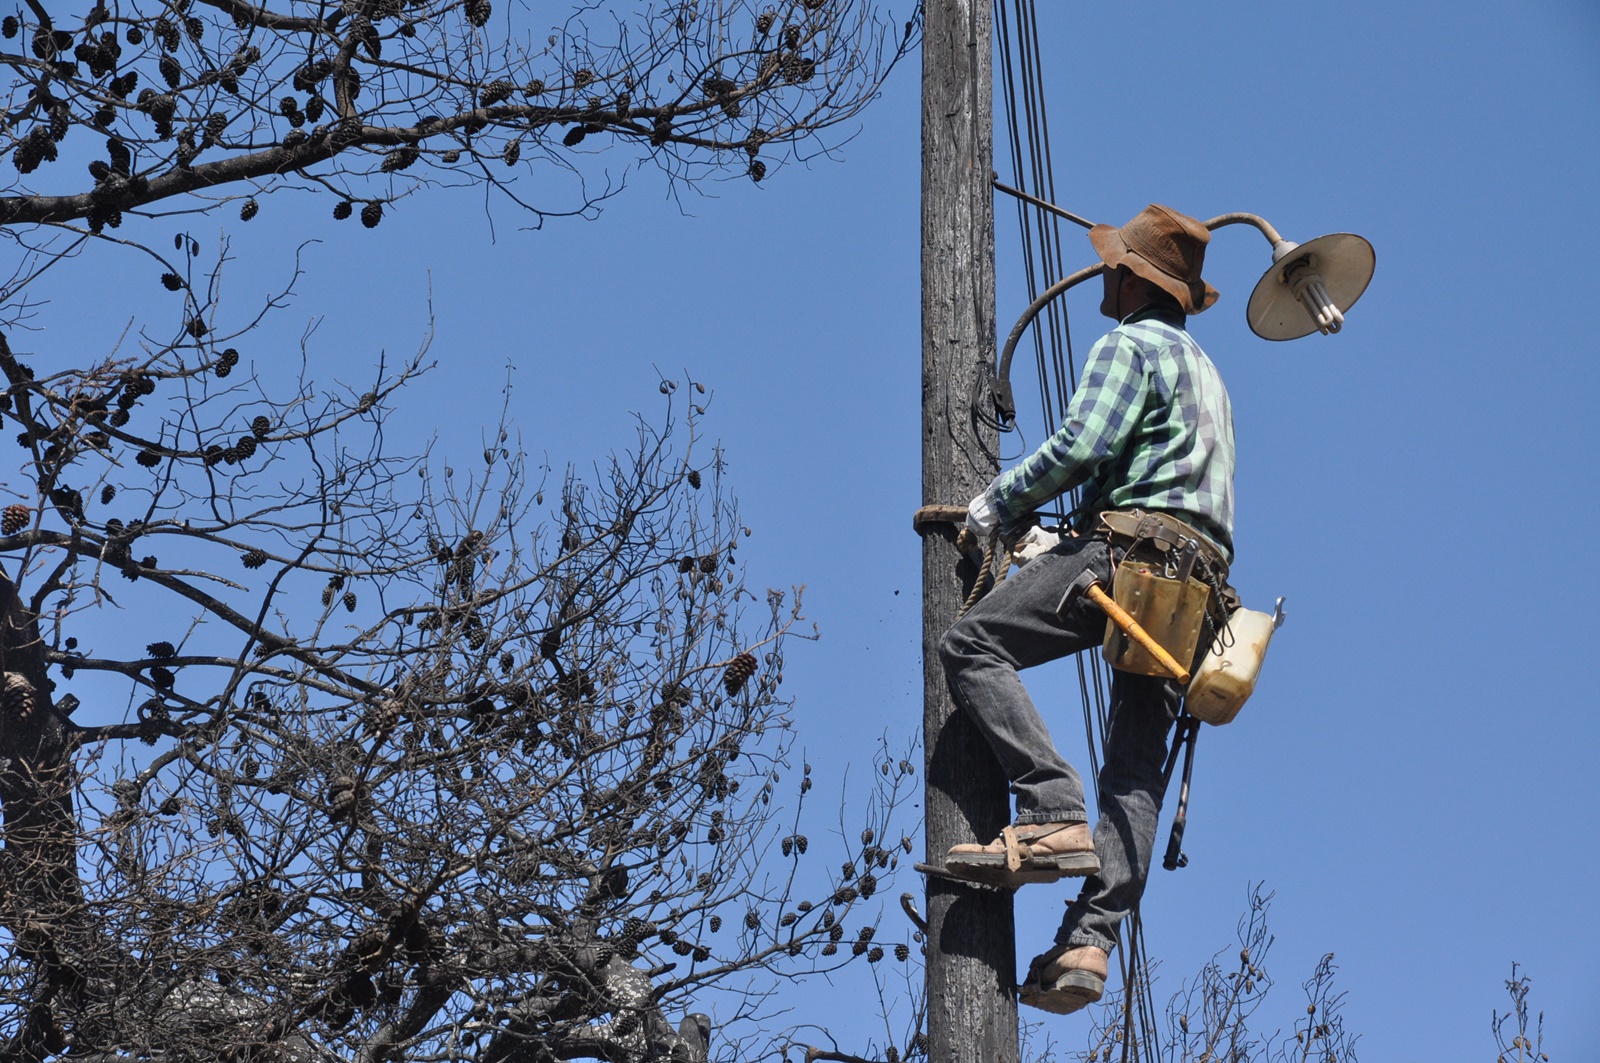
(1065, 979)
(1027, 852)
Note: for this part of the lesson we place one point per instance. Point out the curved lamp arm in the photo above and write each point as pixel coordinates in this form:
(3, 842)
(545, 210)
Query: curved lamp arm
(1004, 402)
(1243, 218)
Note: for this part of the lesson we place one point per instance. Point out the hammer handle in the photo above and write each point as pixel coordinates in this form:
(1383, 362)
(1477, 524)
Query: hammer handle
(1137, 633)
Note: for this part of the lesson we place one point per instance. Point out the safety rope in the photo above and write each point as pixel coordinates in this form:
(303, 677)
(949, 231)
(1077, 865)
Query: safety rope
(994, 566)
(987, 576)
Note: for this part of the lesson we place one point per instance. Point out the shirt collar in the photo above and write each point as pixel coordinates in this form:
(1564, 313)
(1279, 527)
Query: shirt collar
(1170, 315)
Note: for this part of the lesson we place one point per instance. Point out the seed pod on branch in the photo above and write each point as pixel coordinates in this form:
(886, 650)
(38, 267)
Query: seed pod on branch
(738, 673)
(399, 159)
(17, 697)
(341, 799)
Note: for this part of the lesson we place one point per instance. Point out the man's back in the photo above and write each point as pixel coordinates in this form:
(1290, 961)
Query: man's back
(1149, 426)
(1180, 457)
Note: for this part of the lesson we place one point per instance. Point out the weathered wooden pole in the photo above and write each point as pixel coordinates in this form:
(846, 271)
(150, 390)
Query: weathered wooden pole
(972, 1014)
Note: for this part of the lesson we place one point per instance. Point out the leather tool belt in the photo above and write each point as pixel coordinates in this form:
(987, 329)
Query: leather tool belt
(1162, 535)
(1172, 579)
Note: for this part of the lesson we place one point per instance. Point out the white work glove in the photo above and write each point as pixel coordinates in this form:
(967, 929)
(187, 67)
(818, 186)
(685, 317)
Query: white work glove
(1032, 543)
(982, 519)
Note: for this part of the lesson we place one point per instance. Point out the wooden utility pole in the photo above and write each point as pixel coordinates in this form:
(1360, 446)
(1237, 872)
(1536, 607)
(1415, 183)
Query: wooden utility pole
(971, 968)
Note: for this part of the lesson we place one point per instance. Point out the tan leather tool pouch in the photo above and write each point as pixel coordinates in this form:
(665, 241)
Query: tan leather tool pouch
(1171, 610)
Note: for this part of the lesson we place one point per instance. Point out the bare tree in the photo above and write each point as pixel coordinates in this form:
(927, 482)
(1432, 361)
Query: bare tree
(380, 762)
(390, 764)
(1527, 1031)
(383, 763)
(1212, 1018)
(190, 104)
(1209, 1019)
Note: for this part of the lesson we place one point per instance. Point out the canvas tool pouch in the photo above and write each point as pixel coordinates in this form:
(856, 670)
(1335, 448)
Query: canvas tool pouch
(1171, 580)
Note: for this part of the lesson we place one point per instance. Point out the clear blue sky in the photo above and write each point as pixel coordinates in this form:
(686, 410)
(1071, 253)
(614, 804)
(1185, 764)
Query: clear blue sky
(1415, 777)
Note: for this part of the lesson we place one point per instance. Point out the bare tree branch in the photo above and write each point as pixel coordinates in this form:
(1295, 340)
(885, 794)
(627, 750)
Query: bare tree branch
(432, 775)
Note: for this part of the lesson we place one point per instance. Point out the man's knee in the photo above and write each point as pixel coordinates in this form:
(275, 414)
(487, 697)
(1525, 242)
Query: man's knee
(955, 646)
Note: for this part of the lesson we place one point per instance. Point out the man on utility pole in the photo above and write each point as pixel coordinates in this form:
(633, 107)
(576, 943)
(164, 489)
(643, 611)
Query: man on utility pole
(1149, 435)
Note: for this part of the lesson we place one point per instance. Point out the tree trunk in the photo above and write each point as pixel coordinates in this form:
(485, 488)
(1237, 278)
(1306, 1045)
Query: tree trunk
(972, 1011)
(41, 900)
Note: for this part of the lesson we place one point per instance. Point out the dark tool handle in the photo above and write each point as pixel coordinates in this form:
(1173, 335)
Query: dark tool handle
(1175, 857)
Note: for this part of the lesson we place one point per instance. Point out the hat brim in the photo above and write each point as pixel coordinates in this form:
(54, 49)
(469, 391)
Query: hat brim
(1114, 251)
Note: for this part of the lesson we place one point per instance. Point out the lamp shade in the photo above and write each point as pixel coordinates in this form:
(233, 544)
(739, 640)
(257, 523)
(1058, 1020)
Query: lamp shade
(1344, 261)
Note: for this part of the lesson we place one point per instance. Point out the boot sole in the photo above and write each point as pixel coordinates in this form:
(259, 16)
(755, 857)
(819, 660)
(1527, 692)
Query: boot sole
(1073, 991)
(989, 869)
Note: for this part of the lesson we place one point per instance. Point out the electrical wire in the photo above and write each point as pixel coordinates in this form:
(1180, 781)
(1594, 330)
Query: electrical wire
(1039, 222)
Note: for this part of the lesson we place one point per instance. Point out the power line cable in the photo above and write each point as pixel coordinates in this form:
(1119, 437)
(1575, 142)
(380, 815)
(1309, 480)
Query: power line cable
(1043, 260)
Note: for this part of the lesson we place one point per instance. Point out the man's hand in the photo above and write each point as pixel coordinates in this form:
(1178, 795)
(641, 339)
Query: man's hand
(1032, 543)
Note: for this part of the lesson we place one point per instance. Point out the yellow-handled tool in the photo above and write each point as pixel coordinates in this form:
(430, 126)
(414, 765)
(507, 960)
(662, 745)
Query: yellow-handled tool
(1128, 624)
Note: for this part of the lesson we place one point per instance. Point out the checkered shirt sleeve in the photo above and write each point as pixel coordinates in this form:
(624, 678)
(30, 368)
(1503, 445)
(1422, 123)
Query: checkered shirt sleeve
(1100, 420)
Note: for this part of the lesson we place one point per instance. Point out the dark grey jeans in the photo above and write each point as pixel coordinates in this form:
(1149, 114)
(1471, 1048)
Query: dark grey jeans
(1015, 627)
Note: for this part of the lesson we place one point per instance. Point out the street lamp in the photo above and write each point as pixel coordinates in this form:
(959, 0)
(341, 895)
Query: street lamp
(1324, 276)
(1309, 288)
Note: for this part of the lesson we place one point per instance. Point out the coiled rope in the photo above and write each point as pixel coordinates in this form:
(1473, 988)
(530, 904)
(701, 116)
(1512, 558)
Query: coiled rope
(996, 564)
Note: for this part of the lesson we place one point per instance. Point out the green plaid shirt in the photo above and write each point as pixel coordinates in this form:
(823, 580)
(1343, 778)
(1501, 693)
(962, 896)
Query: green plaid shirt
(1149, 426)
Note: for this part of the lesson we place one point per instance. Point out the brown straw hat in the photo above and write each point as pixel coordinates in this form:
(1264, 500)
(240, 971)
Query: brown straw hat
(1164, 247)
